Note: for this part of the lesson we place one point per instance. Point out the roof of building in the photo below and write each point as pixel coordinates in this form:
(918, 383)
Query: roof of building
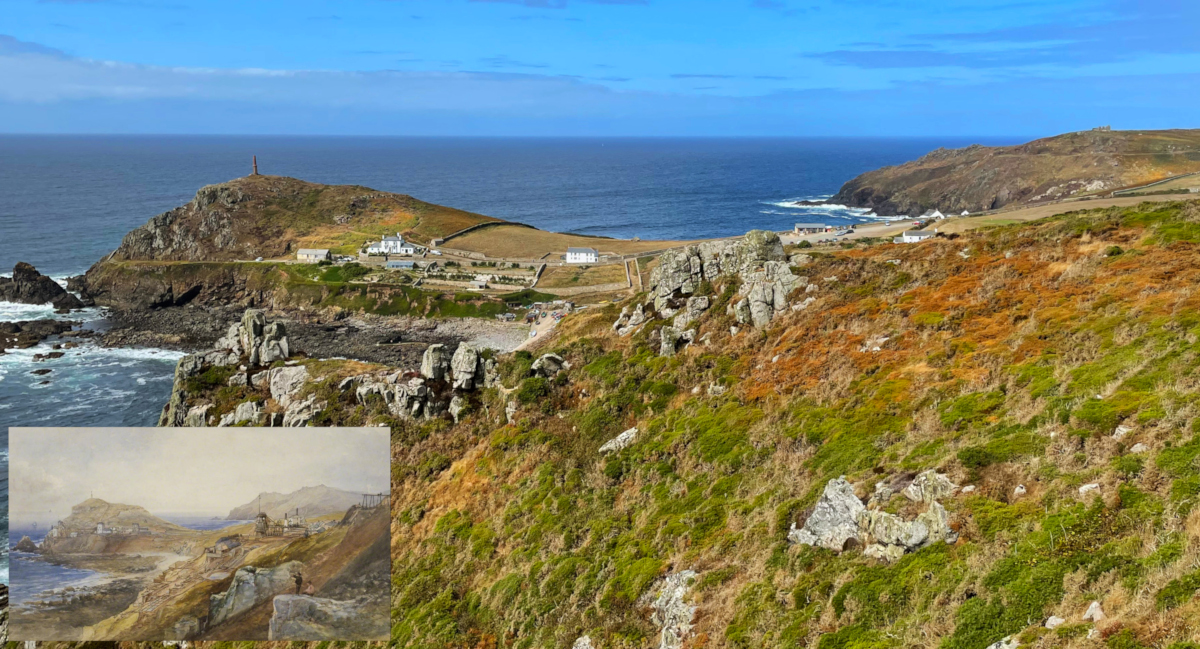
(400, 264)
(917, 233)
(811, 225)
(395, 238)
(582, 250)
(931, 212)
(313, 251)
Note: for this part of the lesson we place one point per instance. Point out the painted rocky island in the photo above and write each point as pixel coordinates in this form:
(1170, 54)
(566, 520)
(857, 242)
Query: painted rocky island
(308, 564)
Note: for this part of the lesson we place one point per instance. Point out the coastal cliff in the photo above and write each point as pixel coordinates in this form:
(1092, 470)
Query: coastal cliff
(979, 178)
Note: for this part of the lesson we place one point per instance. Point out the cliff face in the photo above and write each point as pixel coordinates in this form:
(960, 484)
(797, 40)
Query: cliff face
(981, 178)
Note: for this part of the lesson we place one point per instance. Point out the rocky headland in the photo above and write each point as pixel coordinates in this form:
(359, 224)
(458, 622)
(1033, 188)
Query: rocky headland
(979, 178)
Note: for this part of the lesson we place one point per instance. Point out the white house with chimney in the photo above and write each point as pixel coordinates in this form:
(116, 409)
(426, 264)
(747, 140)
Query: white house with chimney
(582, 255)
(913, 236)
(933, 214)
(390, 245)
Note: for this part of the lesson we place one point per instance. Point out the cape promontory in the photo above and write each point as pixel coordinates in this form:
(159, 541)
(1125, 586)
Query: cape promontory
(312, 501)
(979, 177)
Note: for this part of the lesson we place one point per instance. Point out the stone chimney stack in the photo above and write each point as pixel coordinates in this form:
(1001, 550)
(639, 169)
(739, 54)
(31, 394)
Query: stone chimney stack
(255, 173)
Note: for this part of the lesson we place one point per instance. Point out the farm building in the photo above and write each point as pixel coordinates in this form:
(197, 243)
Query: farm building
(932, 214)
(582, 255)
(312, 254)
(396, 264)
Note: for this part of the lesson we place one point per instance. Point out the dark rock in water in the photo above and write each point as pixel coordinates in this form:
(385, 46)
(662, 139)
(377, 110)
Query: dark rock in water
(26, 544)
(48, 356)
(41, 372)
(27, 333)
(27, 286)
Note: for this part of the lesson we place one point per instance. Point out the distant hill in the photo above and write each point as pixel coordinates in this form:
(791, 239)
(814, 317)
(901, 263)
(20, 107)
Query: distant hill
(88, 513)
(273, 216)
(982, 178)
(312, 501)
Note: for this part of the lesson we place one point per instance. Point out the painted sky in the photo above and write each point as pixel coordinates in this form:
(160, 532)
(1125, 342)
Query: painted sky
(185, 470)
(597, 67)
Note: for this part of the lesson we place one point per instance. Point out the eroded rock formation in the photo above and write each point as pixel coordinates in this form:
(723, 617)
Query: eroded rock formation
(28, 286)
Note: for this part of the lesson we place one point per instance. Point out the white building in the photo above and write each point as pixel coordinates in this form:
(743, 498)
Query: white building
(312, 254)
(933, 214)
(392, 246)
(582, 255)
(913, 236)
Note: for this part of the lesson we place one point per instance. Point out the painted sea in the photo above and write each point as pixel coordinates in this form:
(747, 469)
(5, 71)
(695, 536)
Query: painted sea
(34, 579)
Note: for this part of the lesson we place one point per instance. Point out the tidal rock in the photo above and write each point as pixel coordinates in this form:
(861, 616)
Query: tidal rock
(620, 442)
(28, 286)
(303, 617)
(26, 544)
(548, 365)
(669, 610)
(929, 486)
(250, 586)
(435, 363)
(834, 521)
(285, 382)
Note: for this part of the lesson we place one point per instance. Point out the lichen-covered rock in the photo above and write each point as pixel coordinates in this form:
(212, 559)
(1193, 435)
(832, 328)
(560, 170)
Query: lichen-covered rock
(246, 412)
(285, 382)
(457, 405)
(303, 617)
(669, 338)
(630, 320)
(301, 413)
(1007, 642)
(250, 586)
(583, 642)
(197, 416)
(435, 363)
(680, 271)
(928, 487)
(548, 365)
(692, 310)
(620, 442)
(834, 521)
(670, 612)
(466, 368)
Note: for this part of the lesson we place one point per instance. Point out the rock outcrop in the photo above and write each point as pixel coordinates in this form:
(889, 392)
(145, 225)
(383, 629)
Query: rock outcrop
(466, 368)
(302, 617)
(26, 544)
(549, 365)
(435, 363)
(833, 523)
(620, 442)
(669, 610)
(28, 286)
(756, 260)
(23, 334)
(250, 586)
(840, 520)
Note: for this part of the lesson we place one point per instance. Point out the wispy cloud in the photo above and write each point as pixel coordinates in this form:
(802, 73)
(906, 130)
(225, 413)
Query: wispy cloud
(10, 45)
(503, 61)
(701, 76)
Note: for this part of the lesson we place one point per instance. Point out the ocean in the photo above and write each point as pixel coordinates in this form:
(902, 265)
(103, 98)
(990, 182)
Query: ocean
(66, 201)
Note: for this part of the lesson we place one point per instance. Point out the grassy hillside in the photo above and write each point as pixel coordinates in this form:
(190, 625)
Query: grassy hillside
(981, 178)
(1005, 358)
(273, 216)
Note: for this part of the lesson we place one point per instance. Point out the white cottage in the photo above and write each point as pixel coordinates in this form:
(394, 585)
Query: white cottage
(913, 236)
(312, 254)
(933, 214)
(582, 255)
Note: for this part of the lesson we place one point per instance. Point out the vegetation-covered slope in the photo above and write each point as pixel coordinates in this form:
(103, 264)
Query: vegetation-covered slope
(981, 178)
(1005, 358)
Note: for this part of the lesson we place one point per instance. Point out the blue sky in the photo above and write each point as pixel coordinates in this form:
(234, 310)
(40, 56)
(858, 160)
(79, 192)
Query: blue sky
(598, 67)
